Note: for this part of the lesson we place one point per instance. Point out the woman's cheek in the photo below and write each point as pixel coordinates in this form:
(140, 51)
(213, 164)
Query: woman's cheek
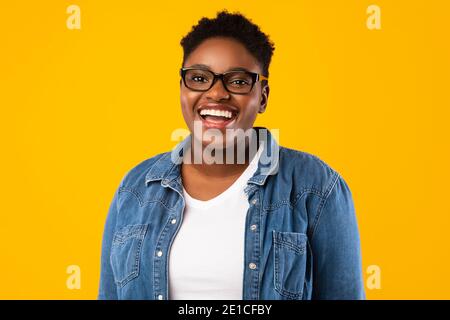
(186, 105)
(249, 113)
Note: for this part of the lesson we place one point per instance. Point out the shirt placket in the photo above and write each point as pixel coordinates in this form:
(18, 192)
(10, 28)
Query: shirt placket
(162, 248)
(252, 250)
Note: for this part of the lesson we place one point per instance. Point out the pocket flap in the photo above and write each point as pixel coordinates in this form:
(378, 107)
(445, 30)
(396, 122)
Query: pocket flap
(293, 240)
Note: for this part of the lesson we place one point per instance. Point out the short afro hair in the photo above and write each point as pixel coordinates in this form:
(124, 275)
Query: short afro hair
(232, 25)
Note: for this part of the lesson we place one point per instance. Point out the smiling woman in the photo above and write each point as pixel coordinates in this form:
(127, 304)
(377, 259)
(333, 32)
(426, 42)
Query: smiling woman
(230, 229)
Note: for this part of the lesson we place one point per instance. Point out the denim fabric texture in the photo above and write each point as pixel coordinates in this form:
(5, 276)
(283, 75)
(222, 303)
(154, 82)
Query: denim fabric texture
(301, 233)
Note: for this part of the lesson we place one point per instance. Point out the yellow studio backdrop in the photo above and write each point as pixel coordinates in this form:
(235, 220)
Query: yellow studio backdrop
(83, 101)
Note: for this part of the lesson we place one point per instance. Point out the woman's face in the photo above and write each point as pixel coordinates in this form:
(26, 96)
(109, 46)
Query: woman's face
(220, 55)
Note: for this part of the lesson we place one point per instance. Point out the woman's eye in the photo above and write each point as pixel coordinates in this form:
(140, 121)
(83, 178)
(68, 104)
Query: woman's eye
(239, 82)
(199, 79)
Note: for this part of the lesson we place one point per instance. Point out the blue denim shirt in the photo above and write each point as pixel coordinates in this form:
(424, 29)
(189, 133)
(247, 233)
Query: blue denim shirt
(301, 230)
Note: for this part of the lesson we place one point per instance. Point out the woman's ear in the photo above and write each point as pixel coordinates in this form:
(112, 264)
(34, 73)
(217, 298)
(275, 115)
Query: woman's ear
(264, 99)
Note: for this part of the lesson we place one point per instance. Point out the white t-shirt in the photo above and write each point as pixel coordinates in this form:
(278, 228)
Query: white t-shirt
(206, 259)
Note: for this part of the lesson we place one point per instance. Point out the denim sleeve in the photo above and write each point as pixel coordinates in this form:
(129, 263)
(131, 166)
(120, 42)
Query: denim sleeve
(107, 288)
(337, 269)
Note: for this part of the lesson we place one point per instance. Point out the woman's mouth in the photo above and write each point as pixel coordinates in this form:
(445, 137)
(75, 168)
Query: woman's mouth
(217, 118)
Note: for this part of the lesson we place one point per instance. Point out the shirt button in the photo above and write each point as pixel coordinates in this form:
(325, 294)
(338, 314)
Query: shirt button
(173, 221)
(160, 297)
(252, 266)
(253, 227)
(159, 253)
(254, 201)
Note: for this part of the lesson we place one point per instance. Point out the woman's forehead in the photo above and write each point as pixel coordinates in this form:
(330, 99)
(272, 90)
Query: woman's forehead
(221, 55)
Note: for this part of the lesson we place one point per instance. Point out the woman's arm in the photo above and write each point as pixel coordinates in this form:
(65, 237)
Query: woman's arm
(337, 271)
(107, 289)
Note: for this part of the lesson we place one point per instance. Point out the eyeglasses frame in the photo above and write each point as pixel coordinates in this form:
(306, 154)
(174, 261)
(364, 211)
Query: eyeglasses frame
(255, 77)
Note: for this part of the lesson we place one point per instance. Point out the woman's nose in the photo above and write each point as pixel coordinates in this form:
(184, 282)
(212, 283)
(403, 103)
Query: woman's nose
(218, 91)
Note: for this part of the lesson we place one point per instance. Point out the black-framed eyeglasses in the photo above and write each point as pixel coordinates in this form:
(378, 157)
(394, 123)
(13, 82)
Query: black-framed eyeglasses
(238, 82)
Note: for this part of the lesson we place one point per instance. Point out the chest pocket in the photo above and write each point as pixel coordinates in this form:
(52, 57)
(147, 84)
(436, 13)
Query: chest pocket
(290, 260)
(126, 252)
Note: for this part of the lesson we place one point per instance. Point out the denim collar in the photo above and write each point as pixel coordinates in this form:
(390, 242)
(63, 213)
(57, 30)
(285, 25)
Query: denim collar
(168, 167)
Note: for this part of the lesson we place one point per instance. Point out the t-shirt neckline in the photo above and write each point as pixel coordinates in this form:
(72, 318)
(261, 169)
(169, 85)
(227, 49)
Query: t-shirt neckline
(241, 180)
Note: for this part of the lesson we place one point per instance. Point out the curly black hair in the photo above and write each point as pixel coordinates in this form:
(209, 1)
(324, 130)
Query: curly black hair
(236, 26)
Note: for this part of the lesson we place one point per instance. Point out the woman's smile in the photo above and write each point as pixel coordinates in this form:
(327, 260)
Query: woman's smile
(217, 115)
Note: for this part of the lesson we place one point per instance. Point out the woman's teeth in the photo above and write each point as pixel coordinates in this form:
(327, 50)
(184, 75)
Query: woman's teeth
(216, 113)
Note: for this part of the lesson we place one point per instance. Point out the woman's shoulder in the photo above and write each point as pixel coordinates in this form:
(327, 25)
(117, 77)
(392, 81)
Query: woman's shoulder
(138, 174)
(308, 171)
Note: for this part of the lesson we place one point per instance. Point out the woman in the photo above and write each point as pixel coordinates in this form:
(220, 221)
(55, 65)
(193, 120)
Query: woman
(230, 214)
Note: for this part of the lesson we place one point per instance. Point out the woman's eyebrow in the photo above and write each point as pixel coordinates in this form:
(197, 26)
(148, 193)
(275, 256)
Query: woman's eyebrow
(238, 69)
(204, 66)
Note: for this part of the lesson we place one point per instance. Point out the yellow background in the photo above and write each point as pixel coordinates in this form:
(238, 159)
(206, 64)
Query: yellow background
(79, 108)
